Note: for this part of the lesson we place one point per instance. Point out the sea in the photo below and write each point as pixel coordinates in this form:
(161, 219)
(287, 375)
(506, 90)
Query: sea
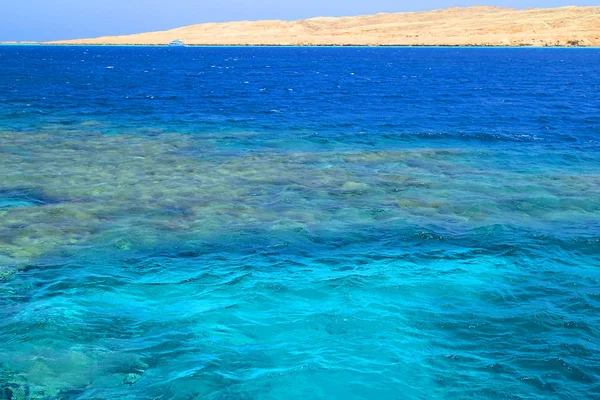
(299, 223)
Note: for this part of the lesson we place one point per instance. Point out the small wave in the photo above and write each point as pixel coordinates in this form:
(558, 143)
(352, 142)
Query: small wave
(478, 136)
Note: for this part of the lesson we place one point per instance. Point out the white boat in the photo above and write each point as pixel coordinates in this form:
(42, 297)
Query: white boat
(177, 43)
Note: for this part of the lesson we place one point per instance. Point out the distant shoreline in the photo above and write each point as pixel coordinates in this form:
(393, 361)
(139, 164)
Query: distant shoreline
(478, 26)
(306, 46)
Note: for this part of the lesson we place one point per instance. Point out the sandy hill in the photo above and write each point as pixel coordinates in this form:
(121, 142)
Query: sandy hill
(477, 26)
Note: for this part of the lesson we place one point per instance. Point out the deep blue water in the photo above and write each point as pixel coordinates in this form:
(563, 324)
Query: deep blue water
(299, 223)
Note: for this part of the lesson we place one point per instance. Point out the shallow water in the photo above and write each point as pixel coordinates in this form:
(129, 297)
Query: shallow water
(267, 223)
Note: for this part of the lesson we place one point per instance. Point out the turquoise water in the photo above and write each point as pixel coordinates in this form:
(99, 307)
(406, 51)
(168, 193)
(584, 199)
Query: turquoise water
(292, 223)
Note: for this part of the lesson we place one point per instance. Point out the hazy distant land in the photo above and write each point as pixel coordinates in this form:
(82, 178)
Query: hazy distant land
(472, 26)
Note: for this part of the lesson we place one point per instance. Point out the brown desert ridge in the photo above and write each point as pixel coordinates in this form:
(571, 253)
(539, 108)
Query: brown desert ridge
(471, 26)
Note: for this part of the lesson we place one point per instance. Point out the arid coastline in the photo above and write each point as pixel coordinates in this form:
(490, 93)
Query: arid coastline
(471, 26)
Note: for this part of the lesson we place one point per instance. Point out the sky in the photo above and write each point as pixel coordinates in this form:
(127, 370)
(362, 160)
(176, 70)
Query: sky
(41, 20)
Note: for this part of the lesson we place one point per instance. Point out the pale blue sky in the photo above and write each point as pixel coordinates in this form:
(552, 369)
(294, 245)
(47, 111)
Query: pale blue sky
(66, 19)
